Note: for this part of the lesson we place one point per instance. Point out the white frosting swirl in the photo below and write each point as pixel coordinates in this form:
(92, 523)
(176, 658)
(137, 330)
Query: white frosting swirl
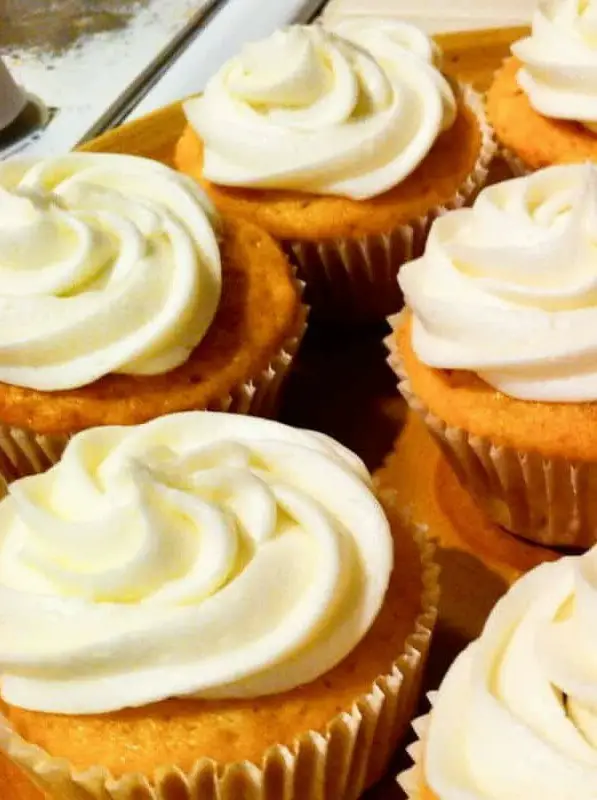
(560, 60)
(516, 716)
(108, 263)
(394, 44)
(508, 289)
(309, 111)
(204, 555)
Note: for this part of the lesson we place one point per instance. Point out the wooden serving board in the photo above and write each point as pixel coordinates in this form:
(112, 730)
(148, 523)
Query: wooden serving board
(342, 386)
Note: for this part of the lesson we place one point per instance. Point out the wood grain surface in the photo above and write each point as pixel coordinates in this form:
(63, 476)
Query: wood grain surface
(342, 386)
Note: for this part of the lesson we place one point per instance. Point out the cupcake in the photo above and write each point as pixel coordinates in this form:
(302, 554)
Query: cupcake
(497, 350)
(523, 696)
(543, 101)
(207, 605)
(124, 297)
(343, 158)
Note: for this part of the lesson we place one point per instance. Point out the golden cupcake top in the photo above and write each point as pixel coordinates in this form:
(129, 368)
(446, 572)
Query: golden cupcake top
(108, 263)
(559, 61)
(310, 111)
(507, 288)
(516, 715)
(200, 555)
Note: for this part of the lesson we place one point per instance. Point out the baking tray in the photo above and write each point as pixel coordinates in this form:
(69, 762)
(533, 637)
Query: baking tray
(341, 385)
(90, 63)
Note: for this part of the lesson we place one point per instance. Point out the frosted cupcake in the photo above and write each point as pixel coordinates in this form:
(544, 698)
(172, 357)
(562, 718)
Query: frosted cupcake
(343, 158)
(543, 101)
(523, 696)
(207, 605)
(123, 296)
(498, 350)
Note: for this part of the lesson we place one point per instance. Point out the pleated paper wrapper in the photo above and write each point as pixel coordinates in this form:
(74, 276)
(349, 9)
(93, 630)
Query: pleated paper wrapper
(25, 452)
(339, 763)
(549, 501)
(515, 164)
(355, 279)
(412, 781)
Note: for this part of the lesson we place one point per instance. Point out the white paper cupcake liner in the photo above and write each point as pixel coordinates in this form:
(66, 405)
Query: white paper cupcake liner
(337, 764)
(515, 164)
(548, 501)
(260, 396)
(412, 781)
(355, 279)
(24, 452)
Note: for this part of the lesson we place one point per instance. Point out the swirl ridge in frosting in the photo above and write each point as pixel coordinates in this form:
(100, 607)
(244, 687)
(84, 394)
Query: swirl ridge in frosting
(310, 111)
(524, 695)
(204, 555)
(559, 72)
(507, 289)
(108, 263)
(394, 43)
